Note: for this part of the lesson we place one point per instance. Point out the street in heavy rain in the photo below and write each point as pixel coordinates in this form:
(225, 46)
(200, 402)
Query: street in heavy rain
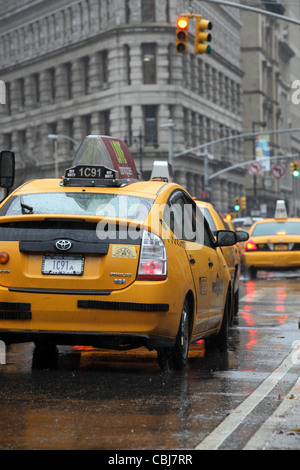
(107, 400)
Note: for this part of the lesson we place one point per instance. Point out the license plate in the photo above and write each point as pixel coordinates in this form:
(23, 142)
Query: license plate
(280, 247)
(63, 264)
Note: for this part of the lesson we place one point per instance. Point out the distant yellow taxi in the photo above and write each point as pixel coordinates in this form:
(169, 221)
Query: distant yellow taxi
(273, 243)
(103, 259)
(231, 253)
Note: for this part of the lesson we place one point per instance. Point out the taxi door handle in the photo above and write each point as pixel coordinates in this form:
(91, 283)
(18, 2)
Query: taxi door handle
(210, 264)
(192, 261)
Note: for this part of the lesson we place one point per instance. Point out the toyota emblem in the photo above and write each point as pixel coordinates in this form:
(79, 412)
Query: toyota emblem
(63, 245)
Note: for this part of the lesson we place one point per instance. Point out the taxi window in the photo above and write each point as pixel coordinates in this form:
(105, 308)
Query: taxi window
(99, 204)
(272, 228)
(186, 220)
(209, 219)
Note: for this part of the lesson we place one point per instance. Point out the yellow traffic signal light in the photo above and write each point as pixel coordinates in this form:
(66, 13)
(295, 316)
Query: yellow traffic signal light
(295, 169)
(243, 202)
(292, 167)
(201, 36)
(237, 206)
(182, 25)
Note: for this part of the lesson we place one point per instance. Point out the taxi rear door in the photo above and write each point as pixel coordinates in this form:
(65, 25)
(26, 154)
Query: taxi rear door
(202, 257)
(210, 269)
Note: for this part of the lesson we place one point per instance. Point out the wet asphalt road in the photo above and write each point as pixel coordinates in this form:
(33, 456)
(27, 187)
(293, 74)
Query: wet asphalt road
(96, 399)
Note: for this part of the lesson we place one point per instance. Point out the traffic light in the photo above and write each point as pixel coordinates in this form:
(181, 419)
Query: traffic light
(201, 36)
(181, 35)
(237, 206)
(294, 169)
(243, 203)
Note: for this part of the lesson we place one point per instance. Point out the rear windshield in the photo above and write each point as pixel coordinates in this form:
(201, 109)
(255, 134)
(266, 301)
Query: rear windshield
(277, 228)
(107, 205)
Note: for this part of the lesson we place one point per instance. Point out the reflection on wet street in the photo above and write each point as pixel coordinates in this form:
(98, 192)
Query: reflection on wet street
(99, 399)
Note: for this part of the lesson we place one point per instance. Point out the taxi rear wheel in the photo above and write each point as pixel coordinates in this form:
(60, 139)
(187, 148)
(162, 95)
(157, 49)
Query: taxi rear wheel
(45, 355)
(252, 272)
(175, 358)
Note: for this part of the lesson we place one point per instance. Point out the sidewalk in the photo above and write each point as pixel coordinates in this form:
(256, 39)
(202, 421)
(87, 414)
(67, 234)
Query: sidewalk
(281, 431)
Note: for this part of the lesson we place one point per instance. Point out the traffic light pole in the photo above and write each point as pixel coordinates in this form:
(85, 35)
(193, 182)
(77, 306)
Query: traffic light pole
(255, 10)
(233, 137)
(218, 173)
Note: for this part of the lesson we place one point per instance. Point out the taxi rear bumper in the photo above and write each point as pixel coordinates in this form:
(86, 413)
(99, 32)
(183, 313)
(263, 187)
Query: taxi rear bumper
(274, 259)
(144, 314)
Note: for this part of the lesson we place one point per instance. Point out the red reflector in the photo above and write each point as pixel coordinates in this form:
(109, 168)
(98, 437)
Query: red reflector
(4, 257)
(251, 246)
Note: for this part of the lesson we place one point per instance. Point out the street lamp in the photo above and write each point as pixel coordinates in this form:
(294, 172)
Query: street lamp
(55, 137)
(140, 139)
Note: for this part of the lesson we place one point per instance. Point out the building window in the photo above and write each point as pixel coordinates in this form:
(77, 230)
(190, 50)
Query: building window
(128, 129)
(150, 125)
(86, 124)
(8, 99)
(36, 86)
(103, 69)
(149, 63)
(69, 81)
(104, 123)
(127, 64)
(127, 12)
(69, 129)
(148, 10)
(52, 85)
(86, 76)
(22, 94)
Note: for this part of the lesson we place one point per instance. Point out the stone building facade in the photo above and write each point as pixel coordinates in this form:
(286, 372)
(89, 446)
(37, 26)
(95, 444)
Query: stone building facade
(271, 62)
(79, 67)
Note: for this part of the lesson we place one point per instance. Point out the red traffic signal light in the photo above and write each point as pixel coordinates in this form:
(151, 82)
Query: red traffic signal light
(181, 35)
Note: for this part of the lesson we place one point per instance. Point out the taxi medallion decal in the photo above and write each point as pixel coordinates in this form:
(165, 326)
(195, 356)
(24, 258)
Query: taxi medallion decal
(123, 251)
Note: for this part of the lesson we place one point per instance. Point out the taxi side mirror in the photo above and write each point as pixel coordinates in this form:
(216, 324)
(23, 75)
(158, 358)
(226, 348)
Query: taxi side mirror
(226, 238)
(7, 168)
(241, 236)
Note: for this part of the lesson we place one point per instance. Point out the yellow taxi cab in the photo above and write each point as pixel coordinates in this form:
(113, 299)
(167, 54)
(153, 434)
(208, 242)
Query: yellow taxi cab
(100, 258)
(231, 253)
(273, 243)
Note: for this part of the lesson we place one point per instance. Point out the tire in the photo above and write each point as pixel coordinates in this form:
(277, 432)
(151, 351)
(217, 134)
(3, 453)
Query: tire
(45, 356)
(175, 358)
(222, 337)
(252, 272)
(220, 341)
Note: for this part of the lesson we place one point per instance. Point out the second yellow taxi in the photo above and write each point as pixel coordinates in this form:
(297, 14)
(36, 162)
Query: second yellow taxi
(231, 253)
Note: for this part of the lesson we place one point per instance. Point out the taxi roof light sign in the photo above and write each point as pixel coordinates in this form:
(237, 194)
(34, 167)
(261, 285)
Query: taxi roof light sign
(101, 161)
(162, 170)
(280, 211)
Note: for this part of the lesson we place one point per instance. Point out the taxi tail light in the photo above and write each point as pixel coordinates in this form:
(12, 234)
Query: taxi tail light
(4, 257)
(153, 258)
(251, 246)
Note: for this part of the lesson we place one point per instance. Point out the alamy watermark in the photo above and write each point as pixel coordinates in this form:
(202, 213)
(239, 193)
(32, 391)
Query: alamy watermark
(2, 92)
(296, 94)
